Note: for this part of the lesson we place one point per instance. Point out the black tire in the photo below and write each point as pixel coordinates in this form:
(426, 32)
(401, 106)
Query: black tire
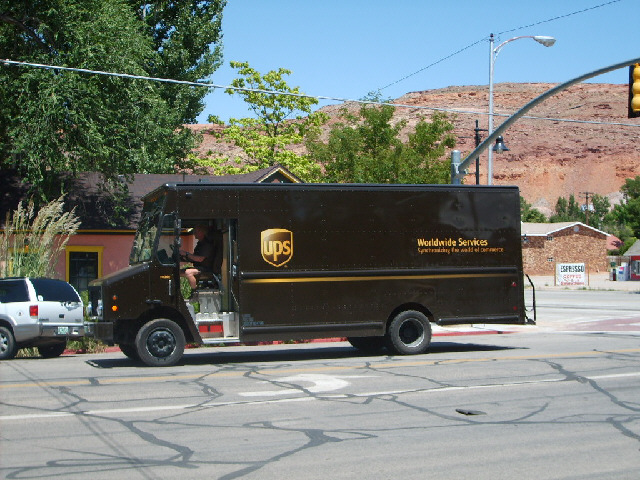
(368, 344)
(409, 333)
(160, 343)
(130, 351)
(53, 350)
(8, 347)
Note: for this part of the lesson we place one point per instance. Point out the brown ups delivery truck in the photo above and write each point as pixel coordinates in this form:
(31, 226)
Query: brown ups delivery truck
(376, 264)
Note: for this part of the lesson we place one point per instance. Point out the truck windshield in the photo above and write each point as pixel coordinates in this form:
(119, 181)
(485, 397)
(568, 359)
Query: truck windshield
(145, 238)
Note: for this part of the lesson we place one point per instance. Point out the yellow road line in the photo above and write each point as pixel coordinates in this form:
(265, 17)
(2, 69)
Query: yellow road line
(280, 372)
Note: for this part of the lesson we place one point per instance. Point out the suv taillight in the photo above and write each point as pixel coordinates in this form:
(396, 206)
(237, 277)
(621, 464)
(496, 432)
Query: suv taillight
(33, 311)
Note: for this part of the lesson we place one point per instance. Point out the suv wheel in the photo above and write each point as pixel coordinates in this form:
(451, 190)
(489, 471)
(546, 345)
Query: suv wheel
(8, 347)
(53, 350)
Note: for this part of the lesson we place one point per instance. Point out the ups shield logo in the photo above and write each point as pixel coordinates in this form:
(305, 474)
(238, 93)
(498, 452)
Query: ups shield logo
(276, 246)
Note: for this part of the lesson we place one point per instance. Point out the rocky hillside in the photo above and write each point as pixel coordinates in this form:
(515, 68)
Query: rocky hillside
(548, 158)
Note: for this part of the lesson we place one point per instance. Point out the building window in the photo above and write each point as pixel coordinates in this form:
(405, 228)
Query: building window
(549, 259)
(549, 238)
(83, 265)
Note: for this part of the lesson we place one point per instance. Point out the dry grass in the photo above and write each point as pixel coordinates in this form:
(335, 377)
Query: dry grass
(31, 240)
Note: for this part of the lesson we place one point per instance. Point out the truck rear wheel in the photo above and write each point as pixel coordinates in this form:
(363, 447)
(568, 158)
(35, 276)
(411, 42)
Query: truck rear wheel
(160, 343)
(367, 344)
(409, 333)
(8, 347)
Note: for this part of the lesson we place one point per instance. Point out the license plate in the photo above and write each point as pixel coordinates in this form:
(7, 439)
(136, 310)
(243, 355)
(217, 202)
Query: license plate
(63, 330)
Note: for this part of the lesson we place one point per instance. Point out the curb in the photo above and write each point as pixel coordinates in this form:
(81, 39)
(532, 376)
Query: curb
(452, 333)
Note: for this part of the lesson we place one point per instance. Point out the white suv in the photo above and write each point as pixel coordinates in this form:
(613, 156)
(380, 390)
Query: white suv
(38, 312)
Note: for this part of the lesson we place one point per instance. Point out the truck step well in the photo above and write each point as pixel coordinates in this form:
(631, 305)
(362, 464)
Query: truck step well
(217, 325)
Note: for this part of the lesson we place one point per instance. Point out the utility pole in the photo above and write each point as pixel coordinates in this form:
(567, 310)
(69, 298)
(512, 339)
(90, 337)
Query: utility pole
(586, 201)
(478, 140)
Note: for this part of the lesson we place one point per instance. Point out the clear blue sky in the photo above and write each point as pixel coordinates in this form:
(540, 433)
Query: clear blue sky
(347, 48)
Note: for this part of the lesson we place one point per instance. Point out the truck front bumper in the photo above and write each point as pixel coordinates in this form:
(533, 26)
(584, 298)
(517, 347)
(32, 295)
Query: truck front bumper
(102, 331)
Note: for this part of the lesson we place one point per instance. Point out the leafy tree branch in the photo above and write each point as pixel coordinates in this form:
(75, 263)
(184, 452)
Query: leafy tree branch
(280, 122)
(56, 121)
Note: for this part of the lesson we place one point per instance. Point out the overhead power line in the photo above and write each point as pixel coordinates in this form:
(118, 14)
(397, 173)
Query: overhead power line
(497, 34)
(559, 17)
(433, 64)
(174, 81)
(302, 95)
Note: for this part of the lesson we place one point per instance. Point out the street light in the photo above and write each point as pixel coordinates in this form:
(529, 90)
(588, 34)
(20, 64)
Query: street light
(499, 147)
(541, 39)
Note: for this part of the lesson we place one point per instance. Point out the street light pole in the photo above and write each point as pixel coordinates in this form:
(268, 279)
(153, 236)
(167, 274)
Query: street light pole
(490, 128)
(493, 53)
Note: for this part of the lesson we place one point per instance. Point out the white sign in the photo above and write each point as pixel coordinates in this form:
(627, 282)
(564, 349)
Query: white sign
(571, 274)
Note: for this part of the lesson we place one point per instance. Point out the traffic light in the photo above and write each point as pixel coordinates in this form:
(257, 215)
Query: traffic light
(634, 91)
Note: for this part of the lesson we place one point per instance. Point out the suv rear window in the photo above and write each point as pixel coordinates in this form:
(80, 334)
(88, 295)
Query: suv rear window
(13, 291)
(51, 290)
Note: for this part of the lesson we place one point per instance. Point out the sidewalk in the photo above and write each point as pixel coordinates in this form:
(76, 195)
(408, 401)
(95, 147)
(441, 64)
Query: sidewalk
(596, 281)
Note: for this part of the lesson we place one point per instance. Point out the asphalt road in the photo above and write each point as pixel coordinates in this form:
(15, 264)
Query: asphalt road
(560, 400)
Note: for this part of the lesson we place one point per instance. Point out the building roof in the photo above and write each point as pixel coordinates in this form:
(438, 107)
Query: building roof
(96, 206)
(546, 229)
(141, 184)
(613, 242)
(634, 249)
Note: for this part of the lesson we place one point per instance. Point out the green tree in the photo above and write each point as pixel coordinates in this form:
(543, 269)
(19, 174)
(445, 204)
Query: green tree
(598, 210)
(367, 148)
(187, 43)
(571, 211)
(55, 120)
(627, 213)
(622, 232)
(31, 240)
(281, 121)
(631, 188)
(567, 211)
(530, 214)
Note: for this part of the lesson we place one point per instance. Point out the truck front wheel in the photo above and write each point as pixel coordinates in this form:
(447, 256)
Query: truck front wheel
(160, 343)
(409, 333)
(130, 351)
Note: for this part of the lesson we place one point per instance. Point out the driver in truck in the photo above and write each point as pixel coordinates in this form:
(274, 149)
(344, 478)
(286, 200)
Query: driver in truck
(206, 256)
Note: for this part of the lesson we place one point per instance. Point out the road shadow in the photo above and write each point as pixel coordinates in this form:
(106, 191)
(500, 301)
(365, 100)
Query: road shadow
(220, 356)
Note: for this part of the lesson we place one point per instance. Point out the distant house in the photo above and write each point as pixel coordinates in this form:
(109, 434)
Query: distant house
(545, 244)
(104, 239)
(634, 250)
(632, 257)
